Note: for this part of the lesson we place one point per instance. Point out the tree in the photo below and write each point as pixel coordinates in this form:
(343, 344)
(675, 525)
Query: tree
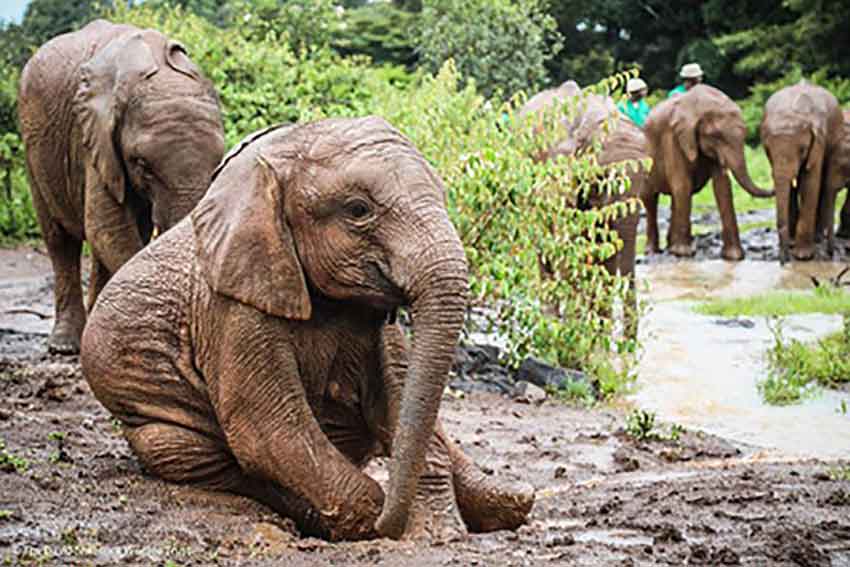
(502, 45)
(45, 19)
(379, 30)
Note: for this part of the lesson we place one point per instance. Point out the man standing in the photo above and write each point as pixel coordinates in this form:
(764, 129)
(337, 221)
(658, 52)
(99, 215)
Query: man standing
(635, 108)
(691, 75)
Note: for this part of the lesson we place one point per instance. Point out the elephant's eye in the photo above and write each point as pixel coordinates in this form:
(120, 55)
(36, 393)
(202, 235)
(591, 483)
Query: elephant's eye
(143, 165)
(358, 209)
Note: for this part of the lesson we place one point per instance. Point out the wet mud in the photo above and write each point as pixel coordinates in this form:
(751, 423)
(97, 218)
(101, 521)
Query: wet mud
(71, 492)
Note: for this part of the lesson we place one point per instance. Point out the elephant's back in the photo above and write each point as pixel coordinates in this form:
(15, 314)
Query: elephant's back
(137, 347)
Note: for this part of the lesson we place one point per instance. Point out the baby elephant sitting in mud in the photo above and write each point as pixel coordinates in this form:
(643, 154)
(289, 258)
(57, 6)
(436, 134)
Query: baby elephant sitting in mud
(253, 347)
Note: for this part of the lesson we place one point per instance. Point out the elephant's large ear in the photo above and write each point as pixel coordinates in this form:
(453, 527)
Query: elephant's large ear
(244, 243)
(684, 124)
(101, 98)
(178, 59)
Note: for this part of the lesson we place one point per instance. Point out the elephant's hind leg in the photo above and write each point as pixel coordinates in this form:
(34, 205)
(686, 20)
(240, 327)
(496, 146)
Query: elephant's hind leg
(183, 455)
(485, 503)
(64, 250)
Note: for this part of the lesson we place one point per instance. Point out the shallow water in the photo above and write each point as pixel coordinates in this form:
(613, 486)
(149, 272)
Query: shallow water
(703, 375)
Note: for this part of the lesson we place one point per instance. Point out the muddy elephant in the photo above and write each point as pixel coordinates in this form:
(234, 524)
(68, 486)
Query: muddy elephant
(692, 138)
(122, 134)
(622, 141)
(803, 136)
(253, 348)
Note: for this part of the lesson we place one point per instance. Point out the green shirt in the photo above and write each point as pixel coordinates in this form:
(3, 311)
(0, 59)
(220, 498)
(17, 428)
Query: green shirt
(678, 90)
(636, 111)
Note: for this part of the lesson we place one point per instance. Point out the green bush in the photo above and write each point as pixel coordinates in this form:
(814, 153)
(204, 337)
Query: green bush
(17, 216)
(509, 210)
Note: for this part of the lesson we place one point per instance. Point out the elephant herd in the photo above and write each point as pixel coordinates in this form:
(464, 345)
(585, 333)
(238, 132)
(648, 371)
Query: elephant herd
(253, 347)
(699, 136)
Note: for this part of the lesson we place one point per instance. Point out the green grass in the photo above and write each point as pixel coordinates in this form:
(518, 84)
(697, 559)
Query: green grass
(798, 369)
(824, 299)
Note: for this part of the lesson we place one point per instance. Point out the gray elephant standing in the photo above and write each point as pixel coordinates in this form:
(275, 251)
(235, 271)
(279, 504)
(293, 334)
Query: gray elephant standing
(803, 136)
(122, 134)
(253, 347)
(694, 137)
(622, 141)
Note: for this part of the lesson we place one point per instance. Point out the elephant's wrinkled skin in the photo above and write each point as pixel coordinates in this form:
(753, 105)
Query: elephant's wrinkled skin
(624, 141)
(122, 135)
(692, 138)
(803, 136)
(249, 349)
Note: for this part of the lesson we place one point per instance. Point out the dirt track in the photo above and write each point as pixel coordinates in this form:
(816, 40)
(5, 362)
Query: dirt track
(603, 498)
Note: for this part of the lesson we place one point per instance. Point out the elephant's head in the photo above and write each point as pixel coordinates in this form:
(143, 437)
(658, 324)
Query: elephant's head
(151, 127)
(707, 122)
(346, 210)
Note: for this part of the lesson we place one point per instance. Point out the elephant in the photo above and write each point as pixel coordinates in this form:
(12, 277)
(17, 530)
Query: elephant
(803, 135)
(622, 141)
(844, 225)
(254, 347)
(692, 138)
(122, 134)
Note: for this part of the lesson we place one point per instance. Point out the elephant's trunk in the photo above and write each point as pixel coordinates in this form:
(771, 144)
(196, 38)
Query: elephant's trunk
(742, 176)
(438, 301)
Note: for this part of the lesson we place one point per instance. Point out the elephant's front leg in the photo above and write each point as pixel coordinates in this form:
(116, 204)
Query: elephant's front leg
(272, 431)
(809, 189)
(825, 222)
(435, 514)
(650, 203)
(732, 249)
(679, 241)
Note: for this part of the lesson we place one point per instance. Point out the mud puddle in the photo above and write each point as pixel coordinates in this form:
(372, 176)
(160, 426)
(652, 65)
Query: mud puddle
(701, 372)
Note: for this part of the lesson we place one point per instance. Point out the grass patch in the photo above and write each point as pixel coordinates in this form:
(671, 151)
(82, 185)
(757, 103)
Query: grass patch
(823, 299)
(798, 369)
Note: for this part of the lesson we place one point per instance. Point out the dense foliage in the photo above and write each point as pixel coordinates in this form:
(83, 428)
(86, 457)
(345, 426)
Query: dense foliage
(502, 45)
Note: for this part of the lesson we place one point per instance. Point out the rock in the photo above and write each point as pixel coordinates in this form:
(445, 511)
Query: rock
(741, 322)
(529, 393)
(543, 375)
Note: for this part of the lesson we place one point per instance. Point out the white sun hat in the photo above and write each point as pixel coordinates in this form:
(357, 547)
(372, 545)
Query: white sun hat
(691, 71)
(635, 85)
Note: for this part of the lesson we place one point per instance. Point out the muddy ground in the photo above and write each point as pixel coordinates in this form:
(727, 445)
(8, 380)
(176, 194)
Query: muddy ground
(71, 493)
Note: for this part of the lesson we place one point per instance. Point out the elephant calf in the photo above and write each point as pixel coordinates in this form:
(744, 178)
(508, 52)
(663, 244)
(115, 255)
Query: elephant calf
(252, 348)
(122, 134)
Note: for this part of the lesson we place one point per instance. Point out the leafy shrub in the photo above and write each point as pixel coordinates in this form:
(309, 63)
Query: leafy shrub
(17, 216)
(502, 45)
(510, 210)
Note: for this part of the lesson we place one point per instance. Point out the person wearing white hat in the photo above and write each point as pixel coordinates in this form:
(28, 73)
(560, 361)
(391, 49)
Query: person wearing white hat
(691, 75)
(635, 108)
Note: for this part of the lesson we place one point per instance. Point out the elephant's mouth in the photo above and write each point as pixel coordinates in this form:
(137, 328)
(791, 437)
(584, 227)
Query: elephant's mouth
(389, 295)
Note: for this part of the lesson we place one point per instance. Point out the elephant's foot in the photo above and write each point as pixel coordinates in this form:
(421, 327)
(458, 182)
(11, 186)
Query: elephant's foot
(435, 516)
(65, 337)
(682, 249)
(804, 252)
(487, 504)
(733, 253)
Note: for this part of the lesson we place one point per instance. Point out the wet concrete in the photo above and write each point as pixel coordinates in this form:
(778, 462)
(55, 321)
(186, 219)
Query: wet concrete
(701, 374)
